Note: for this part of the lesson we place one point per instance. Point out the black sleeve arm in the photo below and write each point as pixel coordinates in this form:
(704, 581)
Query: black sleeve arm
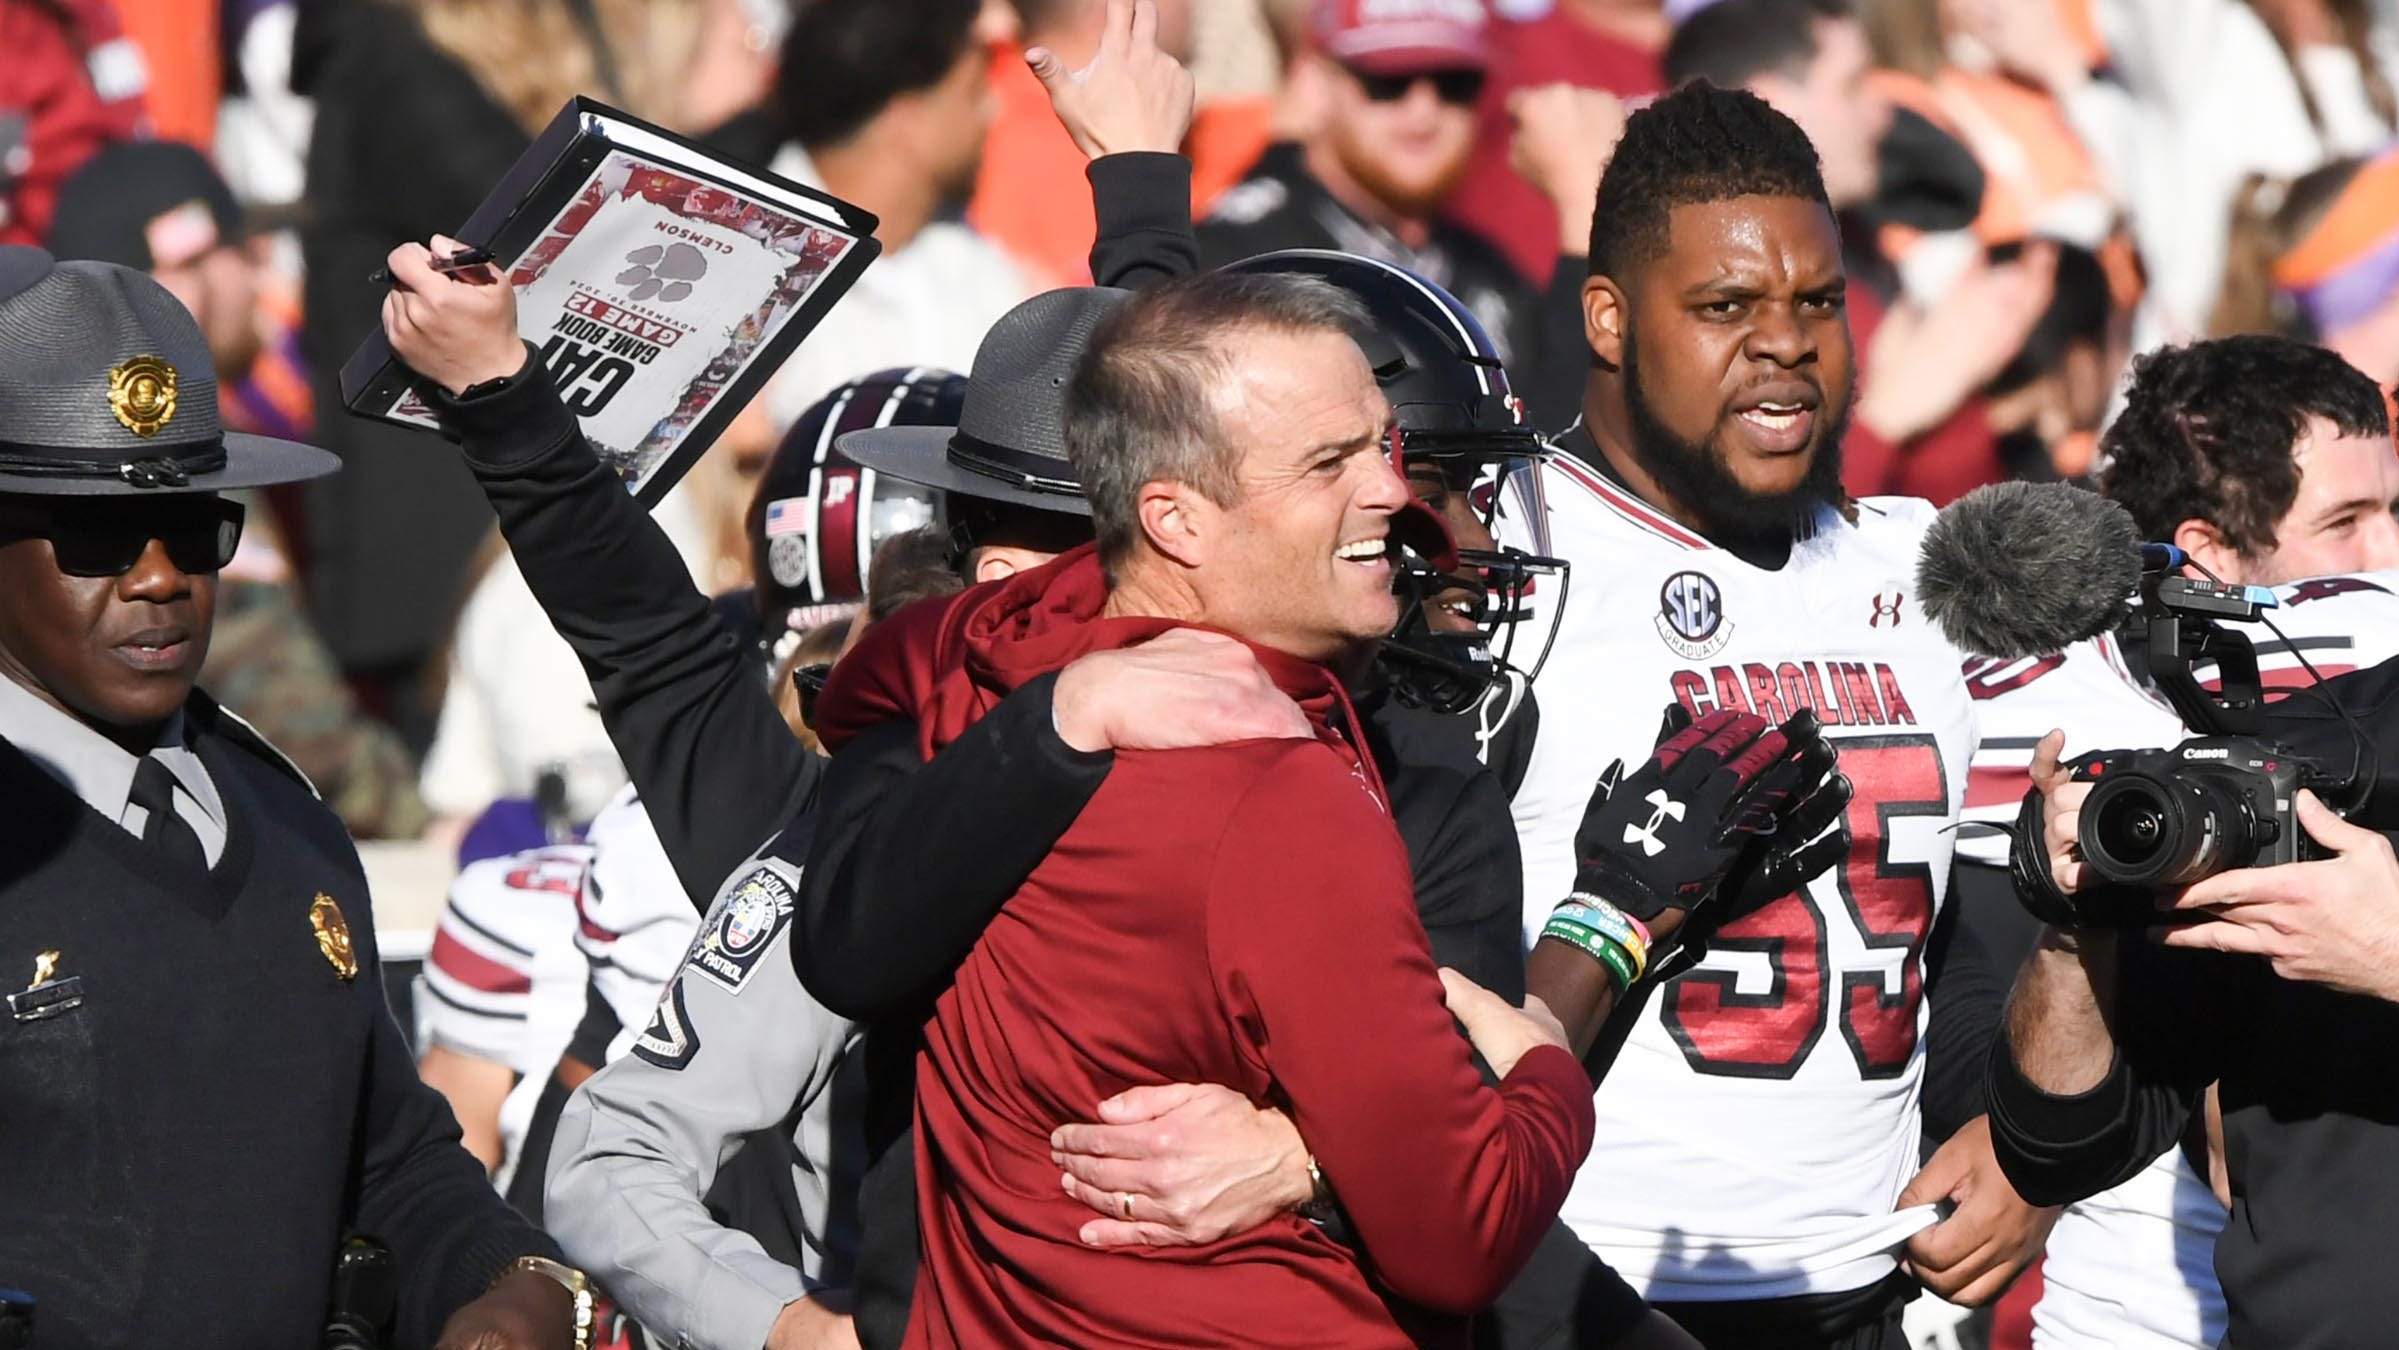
(1551, 377)
(421, 1194)
(1564, 1296)
(1967, 983)
(1142, 204)
(911, 859)
(699, 734)
(1469, 889)
(2170, 1015)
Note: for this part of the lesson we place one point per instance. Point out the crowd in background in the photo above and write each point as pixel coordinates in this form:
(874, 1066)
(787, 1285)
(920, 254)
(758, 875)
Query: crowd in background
(2032, 191)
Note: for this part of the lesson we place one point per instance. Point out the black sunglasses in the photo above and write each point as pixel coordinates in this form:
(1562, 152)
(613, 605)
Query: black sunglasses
(105, 536)
(810, 682)
(1460, 88)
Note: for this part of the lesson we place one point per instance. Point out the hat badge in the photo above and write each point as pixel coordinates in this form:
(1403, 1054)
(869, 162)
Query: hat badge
(141, 392)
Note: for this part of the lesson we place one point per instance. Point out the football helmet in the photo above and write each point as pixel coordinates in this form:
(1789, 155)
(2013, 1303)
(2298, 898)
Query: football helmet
(818, 516)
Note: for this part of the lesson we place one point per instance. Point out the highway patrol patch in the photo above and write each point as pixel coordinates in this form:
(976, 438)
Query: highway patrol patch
(740, 928)
(669, 1042)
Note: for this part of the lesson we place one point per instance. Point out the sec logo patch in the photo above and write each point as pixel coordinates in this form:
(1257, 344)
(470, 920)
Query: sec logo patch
(1690, 616)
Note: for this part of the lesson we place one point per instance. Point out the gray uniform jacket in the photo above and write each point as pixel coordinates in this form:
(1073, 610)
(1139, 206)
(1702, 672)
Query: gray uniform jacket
(736, 1049)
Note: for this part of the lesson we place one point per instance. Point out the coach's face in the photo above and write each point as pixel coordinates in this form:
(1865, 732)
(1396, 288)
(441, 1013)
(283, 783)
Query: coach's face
(1733, 349)
(1300, 560)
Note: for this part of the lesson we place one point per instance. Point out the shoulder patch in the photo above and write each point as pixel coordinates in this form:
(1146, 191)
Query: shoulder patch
(669, 1041)
(740, 926)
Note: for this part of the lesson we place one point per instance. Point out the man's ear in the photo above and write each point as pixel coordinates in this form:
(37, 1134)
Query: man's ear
(1604, 309)
(2207, 547)
(1176, 521)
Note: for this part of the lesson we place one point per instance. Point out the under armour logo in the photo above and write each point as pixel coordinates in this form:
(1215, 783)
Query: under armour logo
(1890, 611)
(1662, 809)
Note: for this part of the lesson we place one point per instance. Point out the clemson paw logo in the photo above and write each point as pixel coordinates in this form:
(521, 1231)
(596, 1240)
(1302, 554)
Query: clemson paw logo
(662, 272)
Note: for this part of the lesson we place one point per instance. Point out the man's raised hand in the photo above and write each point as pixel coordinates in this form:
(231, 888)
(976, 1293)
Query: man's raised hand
(1133, 95)
(457, 329)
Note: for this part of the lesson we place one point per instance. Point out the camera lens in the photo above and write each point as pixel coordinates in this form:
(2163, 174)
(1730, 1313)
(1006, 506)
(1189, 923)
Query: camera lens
(2141, 830)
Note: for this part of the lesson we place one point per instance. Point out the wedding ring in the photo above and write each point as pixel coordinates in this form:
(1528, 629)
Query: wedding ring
(1125, 1202)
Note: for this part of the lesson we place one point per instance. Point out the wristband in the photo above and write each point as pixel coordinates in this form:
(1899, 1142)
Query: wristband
(1584, 934)
(1621, 967)
(1609, 920)
(1608, 923)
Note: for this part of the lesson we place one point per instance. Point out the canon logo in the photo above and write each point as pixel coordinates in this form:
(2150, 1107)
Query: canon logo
(2204, 752)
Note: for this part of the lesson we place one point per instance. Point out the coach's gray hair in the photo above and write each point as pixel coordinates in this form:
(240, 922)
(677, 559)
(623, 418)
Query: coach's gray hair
(1141, 406)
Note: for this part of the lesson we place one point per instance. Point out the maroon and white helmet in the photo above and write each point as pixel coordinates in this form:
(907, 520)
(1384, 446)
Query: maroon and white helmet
(818, 516)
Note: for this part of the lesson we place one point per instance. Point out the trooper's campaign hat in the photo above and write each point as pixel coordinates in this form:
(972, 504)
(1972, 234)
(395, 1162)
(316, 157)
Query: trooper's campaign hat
(107, 389)
(1010, 442)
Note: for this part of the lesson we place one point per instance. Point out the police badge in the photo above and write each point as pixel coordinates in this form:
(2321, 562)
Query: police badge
(333, 936)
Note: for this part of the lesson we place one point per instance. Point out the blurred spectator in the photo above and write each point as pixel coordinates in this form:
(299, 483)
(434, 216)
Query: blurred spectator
(421, 106)
(2196, 97)
(515, 704)
(887, 104)
(71, 84)
(2040, 179)
(1919, 429)
(1612, 45)
(1240, 51)
(182, 48)
(1398, 124)
(262, 124)
(160, 207)
(2046, 404)
(2322, 264)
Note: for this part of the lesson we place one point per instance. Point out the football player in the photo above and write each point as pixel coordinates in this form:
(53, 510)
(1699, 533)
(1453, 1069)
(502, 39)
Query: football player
(1760, 1126)
(2268, 461)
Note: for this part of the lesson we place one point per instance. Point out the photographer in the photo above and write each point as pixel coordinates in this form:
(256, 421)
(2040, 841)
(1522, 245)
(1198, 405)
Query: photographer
(2268, 461)
(2112, 1037)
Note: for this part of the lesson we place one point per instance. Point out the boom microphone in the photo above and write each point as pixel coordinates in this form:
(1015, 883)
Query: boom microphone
(2013, 570)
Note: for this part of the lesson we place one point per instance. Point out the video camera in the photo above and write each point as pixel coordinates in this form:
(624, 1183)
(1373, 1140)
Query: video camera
(2224, 799)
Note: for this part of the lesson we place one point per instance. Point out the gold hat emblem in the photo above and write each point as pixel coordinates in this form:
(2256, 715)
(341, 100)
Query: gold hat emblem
(333, 936)
(141, 392)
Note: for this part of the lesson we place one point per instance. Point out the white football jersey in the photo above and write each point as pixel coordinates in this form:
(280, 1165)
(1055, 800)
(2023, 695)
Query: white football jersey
(636, 919)
(504, 981)
(1762, 1119)
(2134, 1268)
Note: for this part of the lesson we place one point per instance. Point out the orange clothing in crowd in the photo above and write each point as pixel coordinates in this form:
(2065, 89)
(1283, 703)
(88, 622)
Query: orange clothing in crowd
(179, 41)
(1031, 196)
(2039, 177)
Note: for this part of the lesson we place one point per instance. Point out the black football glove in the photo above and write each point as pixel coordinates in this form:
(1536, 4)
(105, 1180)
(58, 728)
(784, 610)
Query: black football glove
(1729, 814)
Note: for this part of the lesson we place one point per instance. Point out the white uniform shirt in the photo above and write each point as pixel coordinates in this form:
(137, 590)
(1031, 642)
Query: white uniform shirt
(1763, 1117)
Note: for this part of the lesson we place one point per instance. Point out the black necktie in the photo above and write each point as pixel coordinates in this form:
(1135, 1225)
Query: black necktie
(165, 830)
